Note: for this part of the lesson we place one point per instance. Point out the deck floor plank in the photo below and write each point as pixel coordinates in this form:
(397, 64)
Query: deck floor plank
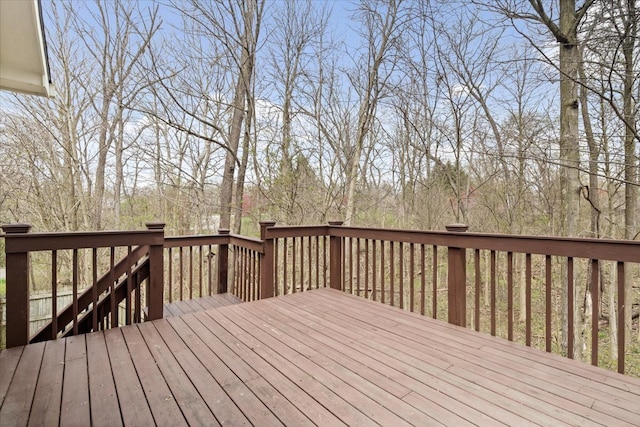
(569, 386)
(242, 392)
(373, 387)
(234, 353)
(361, 364)
(163, 405)
(353, 388)
(504, 410)
(516, 365)
(17, 403)
(193, 407)
(321, 358)
(45, 410)
(75, 408)
(105, 408)
(324, 394)
(134, 409)
(466, 404)
(205, 380)
(9, 359)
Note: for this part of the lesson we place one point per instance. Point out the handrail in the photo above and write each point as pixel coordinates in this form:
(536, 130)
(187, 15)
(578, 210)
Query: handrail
(611, 250)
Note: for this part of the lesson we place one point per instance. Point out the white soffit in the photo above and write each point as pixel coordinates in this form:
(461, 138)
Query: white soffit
(23, 59)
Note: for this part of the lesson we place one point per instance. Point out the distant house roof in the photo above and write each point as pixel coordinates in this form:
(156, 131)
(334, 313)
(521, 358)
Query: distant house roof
(24, 65)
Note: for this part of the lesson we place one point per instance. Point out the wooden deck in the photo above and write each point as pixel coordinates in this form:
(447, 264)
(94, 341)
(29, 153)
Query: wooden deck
(321, 357)
(179, 308)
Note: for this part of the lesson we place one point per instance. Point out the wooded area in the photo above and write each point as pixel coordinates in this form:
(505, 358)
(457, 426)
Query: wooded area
(511, 116)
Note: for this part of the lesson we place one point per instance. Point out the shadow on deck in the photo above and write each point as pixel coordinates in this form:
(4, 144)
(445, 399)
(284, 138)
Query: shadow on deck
(321, 357)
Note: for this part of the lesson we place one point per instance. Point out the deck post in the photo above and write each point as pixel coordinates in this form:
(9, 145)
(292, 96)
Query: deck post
(17, 286)
(335, 257)
(223, 263)
(155, 285)
(266, 262)
(457, 280)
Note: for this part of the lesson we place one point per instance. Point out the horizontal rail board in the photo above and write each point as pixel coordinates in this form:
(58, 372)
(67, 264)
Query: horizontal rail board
(611, 250)
(29, 242)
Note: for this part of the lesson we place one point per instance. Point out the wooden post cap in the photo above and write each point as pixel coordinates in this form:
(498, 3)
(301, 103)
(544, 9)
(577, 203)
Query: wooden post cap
(16, 228)
(336, 223)
(155, 225)
(457, 227)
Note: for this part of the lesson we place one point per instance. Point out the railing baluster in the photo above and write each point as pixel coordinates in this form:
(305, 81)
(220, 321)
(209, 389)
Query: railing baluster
(366, 268)
(302, 264)
(112, 288)
(285, 250)
(317, 244)
(528, 298)
(209, 273)
(200, 272)
(375, 271)
(293, 265)
(180, 273)
(383, 286)
(170, 284)
(423, 279)
(595, 310)
(128, 304)
(325, 254)
(510, 296)
(392, 268)
(358, 287)
(74, 281)
(434, 282)
(401, 273)
(190, 272)
(547, 268)
(276, 282)
(570, 304)
(493, 293)
(94, 288)
(476, 299)
(411, 278)
(54, 294)
(621, 319)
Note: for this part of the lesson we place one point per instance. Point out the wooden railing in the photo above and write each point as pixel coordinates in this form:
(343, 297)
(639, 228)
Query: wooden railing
(197, 266)
(98, 283)
(509, 286)
(482, 281)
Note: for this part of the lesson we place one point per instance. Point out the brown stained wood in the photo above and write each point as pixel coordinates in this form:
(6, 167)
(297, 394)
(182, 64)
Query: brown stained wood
(349, 367)
(301, 356)
(75, 407)
(524, 367)
(9, 359)
(323, 394)
(282, 408)
(45, 410)
(133, 405)
(443, 395)
(575, 377)
(179, 308)
(17, 402)
(163, 406)
(206, 372)
(105, 409)
(321, 357)
(191, 404)
(237, 353)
